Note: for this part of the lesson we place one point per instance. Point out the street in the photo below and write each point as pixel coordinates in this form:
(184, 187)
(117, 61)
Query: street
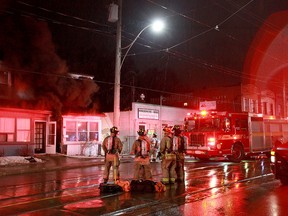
(211, 188)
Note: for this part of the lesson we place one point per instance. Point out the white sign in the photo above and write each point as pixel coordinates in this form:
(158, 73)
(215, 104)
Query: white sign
(148, 113)
(207, 105)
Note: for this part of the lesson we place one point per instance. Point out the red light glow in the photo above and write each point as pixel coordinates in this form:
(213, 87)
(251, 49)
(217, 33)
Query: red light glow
(266, 59)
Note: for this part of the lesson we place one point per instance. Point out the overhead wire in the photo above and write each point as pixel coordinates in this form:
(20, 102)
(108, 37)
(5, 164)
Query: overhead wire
(270, 29)
(205, 64)
(216, 27)
(64, 15)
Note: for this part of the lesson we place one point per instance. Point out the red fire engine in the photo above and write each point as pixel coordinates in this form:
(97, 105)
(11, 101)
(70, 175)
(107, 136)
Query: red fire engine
(231, 135)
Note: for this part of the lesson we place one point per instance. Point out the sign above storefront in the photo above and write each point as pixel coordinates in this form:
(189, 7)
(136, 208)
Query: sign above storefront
(148, 113)
(208, 105)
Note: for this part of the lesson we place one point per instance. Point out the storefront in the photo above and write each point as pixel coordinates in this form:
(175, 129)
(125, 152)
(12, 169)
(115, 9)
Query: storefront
(149, 117)
(26, 132)
(81, 134)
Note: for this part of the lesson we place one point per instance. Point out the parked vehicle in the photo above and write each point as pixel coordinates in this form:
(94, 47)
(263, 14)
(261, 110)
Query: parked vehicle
(231, 135)
(279, 161)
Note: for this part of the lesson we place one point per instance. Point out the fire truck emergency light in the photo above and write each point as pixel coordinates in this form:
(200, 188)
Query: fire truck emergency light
(272, 158)
(203, 113)
(211, 141)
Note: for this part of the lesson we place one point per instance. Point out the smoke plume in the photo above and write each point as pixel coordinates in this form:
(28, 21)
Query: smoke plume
(40, 78)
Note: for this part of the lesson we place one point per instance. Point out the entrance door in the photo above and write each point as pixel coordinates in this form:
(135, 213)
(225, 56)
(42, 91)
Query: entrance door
(51, 138)
(40, 137)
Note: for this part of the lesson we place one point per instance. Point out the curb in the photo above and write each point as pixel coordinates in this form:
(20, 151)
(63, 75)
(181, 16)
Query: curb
(48, 164)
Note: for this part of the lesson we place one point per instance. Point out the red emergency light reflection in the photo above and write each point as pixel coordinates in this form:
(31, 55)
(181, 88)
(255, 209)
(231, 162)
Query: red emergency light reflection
(266, 60)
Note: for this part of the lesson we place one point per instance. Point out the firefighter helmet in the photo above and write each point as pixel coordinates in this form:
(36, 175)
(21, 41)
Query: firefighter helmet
(114, 130)
(176, 129)
(167, 130)
(141, 132)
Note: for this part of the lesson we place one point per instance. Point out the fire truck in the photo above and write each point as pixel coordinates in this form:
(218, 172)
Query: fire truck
(231, 135)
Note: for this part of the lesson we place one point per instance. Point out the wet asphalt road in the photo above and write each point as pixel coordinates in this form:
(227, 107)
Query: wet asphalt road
(211, 188)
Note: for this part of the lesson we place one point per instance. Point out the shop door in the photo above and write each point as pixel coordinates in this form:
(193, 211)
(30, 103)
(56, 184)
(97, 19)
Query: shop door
(40, 134)
(51, 138)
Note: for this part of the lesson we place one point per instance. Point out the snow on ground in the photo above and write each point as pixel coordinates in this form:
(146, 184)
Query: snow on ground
(12, 160)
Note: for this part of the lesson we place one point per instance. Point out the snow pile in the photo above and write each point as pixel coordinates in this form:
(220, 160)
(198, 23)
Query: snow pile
(11, 160)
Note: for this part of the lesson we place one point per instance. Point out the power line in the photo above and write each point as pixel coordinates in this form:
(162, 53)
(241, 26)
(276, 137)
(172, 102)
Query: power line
(63, 14)
(179, 55)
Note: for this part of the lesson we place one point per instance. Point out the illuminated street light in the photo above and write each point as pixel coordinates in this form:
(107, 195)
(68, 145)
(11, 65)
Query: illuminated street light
(156, 26)
(118, 63)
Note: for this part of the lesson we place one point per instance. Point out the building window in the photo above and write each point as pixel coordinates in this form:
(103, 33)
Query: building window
(93, 132)
(254, 106)
(271, 109)
(52, 134)
(5, 78)
(82, 131)
(279, 110)
(246, 105)
(23, 130)
(7, 129)
(71, 131)
(264, 108)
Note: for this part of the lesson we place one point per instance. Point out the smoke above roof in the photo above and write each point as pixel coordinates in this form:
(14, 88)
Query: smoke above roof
(40, 77)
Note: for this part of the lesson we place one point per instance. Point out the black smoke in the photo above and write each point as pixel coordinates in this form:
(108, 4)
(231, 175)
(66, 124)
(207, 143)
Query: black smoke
(41, 78)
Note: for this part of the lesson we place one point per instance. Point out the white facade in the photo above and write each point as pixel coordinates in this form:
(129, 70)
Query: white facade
(81, 134)
(150, 117)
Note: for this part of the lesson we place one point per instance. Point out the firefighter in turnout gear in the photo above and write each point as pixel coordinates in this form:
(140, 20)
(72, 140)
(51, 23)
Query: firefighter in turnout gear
(154, 148)
(179, 146)
(168, 156)
(141, 149)
(112, 146)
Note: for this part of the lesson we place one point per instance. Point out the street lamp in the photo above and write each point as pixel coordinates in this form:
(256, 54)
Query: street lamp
(157, 25)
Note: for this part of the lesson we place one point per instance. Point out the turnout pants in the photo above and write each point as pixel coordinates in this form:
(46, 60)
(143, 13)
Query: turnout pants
(168, 171)
(108, 165)
(180, 166)
(142, 169)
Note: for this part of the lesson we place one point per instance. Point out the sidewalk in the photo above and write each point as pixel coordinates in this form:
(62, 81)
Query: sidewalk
(54, 162)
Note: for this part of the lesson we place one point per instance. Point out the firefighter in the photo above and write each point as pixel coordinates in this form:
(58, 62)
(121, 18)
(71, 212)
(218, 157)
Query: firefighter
(141, 149)
(154, 148)
(168, 156)
(112, 146)
(179, 147)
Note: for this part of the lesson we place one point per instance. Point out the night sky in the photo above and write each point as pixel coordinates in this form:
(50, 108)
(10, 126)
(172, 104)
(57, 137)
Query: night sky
(204, 45)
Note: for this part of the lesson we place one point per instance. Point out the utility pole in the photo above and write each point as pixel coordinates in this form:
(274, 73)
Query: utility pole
(116, 116)
(158, 25)
(284, 97)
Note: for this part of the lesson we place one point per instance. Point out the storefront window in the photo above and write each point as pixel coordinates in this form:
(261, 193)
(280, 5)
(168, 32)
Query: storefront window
(23, 130)
(82, 131)
(71, 131)
(7, 129)
(93, 133)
